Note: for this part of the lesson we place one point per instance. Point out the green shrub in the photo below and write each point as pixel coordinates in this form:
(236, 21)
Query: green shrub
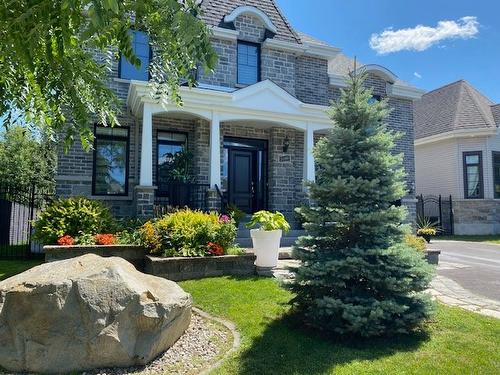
(235, 250)
(188, 233)
(417, 243)
(74, 216)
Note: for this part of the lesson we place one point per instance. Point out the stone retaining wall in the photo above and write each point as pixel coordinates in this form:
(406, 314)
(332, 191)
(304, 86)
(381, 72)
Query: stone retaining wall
(177, 268)
(133, 254)
(476, 216)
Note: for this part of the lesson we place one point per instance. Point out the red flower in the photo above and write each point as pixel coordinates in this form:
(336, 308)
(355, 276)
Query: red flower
(66, 240)
(215, 249)
(105, 239)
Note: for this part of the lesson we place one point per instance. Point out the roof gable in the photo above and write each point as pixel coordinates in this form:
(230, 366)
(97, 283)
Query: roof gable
(457, 106)
(267, 96)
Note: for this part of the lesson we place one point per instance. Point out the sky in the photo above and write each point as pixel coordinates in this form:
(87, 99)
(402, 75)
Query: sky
(428, 43)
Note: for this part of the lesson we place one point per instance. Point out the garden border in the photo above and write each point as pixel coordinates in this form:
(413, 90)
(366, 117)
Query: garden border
(189, 268)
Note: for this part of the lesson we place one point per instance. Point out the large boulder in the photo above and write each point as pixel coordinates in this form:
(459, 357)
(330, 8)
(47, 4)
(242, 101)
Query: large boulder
(88, 312)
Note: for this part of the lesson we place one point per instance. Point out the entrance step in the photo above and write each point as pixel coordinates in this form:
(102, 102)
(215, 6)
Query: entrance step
(285, 252)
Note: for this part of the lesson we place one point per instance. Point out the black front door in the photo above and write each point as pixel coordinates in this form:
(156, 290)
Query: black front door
(242, 179)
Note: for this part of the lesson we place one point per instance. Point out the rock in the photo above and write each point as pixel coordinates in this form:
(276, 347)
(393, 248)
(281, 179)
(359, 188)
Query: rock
(88, 312)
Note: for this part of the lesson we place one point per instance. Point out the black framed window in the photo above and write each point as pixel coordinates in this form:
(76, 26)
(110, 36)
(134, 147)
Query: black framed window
(170, 147)
(496, 174)
(473, 175)
(248, 63)
(374, 99)
(142, 49)
(111, 160)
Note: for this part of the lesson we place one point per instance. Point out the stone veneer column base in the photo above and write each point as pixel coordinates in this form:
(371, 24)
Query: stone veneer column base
(144, 200)
(411, 204)
(213, 200)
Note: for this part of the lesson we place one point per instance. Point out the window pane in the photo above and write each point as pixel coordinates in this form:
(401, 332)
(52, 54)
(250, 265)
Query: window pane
(248, 61)
(111, 165)
(114, 132)
(472, 159)
(140, 44)
(473, 181)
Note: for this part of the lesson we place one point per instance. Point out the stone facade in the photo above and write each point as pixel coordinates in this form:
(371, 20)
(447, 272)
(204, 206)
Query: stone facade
(476, 216)
(304, 77)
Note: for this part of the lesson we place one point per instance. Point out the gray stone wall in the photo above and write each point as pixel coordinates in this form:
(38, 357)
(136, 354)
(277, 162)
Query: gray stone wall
(224, 73)
(312, 83)
(476, 216)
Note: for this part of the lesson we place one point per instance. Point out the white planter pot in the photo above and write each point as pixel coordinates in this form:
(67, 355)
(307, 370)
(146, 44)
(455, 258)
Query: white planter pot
(266, 246)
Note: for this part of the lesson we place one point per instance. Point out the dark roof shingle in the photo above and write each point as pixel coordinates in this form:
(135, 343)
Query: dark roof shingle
(455, 106)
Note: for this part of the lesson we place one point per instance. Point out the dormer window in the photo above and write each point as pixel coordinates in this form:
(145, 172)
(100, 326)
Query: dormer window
(141, 48)
(248, 63)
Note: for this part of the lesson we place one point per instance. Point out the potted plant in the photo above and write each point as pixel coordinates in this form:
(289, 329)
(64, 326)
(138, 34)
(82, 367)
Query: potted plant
(267, 236)
(426, 229)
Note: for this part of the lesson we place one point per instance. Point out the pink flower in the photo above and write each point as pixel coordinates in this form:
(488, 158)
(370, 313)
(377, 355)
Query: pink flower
(224, 219)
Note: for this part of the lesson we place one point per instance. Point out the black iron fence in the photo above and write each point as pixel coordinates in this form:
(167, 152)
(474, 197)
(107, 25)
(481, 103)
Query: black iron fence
(19, 206)
(438, 210)
(176, 195)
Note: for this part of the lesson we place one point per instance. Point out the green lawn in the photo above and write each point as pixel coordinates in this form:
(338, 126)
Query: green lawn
(457, 342)
(490, 239)
(9, 268)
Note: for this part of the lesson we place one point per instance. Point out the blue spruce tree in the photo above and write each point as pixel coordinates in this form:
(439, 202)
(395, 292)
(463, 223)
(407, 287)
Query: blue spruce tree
(356, 274)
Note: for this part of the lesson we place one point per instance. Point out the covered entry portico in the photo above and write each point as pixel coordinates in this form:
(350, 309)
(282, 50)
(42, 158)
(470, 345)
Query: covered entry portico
(254, 143)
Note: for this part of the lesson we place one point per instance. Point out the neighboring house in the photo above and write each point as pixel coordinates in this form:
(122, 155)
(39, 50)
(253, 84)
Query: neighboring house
(457, 151)
(249, 127)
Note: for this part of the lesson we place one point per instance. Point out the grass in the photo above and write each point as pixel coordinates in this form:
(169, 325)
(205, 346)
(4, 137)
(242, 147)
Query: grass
(457, 342)
(495, 239)
(10, 268)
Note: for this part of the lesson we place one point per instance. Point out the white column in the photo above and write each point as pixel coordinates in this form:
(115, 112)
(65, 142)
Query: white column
(309, 171)
(146, 177)
(215, 151)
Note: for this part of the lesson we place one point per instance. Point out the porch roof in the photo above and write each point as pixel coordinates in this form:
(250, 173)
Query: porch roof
(263, 101)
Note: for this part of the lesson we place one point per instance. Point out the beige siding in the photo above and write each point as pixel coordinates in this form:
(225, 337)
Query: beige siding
(436, 168)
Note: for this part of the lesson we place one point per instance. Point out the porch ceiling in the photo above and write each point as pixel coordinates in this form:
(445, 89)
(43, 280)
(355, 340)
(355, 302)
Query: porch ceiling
(263, 102)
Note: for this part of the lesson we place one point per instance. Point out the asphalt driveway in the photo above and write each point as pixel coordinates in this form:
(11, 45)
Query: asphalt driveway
(473, 265)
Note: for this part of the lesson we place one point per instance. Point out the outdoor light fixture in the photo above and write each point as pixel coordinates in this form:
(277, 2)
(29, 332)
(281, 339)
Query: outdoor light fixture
(286, 144)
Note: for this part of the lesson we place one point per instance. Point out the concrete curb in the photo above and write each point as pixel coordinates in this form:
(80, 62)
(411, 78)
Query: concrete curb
(451, 293)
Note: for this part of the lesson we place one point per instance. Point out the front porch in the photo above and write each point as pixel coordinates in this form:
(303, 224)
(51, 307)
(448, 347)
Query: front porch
(251, 148)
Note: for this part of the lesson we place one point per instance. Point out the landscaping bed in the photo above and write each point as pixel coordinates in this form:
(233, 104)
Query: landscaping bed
(182, 268)
(133, 253)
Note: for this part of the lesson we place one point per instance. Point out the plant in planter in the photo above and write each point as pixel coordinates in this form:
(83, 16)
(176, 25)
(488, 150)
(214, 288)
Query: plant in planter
(266, 238)
(426, 228)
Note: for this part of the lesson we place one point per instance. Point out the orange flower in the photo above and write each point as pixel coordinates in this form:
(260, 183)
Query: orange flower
(105, 239)
(66, 240)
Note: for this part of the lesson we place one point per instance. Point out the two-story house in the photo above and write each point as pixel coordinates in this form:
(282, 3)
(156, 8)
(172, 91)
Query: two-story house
(247, 129)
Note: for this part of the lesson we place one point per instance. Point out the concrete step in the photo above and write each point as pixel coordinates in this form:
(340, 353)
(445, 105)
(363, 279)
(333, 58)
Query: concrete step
(285, 252)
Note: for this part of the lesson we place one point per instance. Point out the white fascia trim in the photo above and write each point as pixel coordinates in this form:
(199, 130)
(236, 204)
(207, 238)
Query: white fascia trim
(338, 80)
(317, 50)
(203, 102)
(404, 91)
(284, 46)
(247, 9)
(225, 34)
(454, 134)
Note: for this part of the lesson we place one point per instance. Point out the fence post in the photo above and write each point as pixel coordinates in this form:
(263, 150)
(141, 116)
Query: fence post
(440, 212)
(452, 224)
(422, 204)
(31, 215)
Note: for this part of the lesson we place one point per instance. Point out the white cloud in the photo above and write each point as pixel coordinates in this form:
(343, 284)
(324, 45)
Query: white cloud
(417, 74)
(422, 37)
